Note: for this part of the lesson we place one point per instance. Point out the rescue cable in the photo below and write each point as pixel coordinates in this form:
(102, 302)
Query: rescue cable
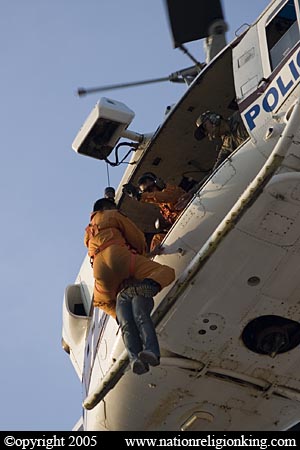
(107, 172)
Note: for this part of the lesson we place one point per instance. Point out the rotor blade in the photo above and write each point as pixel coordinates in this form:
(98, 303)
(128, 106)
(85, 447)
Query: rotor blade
(83, 91)
(190, 20)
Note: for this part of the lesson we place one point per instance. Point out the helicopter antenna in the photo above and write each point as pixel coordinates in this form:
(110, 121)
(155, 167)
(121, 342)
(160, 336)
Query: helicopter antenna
(82, 91)
(181, 76)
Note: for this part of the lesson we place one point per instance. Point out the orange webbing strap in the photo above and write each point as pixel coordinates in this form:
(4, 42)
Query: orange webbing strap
(107, 244)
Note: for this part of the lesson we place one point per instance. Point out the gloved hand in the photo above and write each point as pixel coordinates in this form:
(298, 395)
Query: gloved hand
(130, 190)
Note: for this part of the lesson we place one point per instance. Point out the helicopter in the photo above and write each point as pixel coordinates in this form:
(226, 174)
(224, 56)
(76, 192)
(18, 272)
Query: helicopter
(228, 326)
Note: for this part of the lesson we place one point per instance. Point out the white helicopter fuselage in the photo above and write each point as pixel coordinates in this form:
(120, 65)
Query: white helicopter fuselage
(228, 326)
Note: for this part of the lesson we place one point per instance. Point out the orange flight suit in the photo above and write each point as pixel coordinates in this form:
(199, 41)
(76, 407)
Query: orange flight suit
(117, 248)
(166, 201)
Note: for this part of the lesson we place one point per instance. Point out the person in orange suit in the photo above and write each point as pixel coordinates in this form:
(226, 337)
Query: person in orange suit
(152, 189)
(126, 280)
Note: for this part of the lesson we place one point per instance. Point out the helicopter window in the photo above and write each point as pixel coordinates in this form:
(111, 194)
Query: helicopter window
(282, 33)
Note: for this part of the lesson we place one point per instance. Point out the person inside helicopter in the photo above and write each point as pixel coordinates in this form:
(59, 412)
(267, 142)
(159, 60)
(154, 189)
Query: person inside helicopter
(231, 133)
(152, 189)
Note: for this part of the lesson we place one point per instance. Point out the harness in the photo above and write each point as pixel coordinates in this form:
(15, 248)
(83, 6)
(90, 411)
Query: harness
(92, 231)
(169, 215)
(102, 247)
(132, 260)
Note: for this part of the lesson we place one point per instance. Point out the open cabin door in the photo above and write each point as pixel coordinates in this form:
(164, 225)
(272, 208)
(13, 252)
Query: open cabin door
(174, 154)
(247, 64)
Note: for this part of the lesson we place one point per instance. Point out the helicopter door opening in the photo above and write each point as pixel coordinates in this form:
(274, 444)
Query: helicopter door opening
(175, 155)
(282, 33)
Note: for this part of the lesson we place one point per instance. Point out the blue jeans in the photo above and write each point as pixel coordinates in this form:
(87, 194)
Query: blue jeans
(137, 328)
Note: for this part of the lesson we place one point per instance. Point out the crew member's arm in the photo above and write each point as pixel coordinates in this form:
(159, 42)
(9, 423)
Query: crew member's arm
(170, 194)
(223, 154)
(185, 198)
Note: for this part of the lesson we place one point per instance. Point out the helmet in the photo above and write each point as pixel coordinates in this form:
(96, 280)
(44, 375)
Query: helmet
(151, 176)
(213, 117)
(146, 176)
(103, 203)
(109, 193)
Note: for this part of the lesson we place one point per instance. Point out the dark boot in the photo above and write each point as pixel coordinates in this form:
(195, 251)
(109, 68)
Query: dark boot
(141, 308)
(149, 358)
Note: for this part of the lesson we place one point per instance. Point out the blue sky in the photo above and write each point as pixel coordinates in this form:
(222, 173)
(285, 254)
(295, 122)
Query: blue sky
(48, 49)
